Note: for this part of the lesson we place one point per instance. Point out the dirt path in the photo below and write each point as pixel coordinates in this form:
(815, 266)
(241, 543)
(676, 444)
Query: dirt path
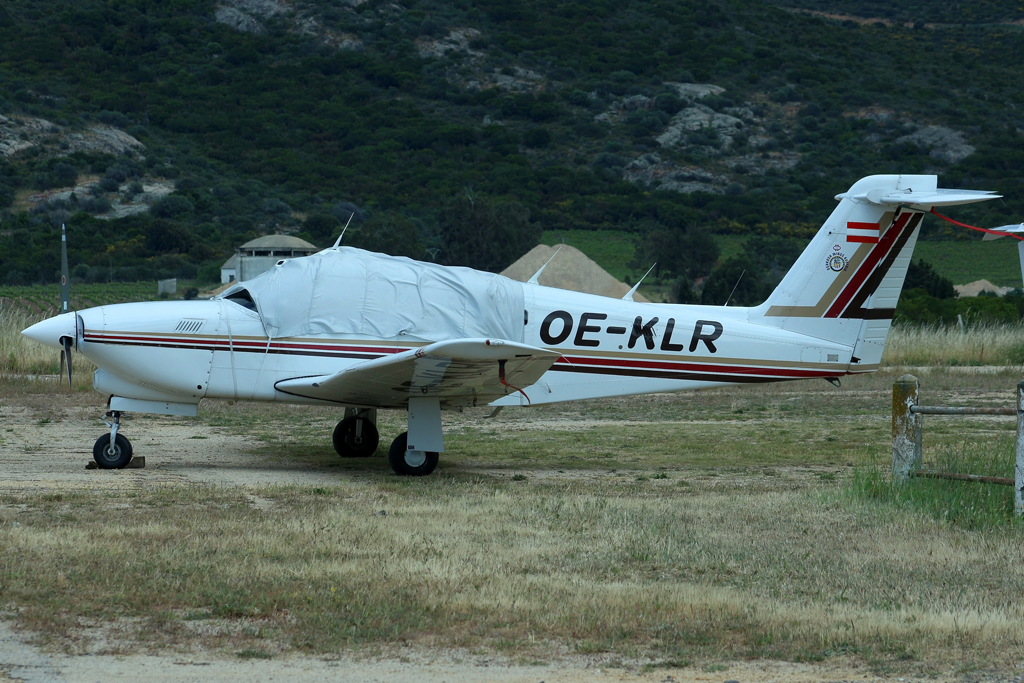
(19, 661)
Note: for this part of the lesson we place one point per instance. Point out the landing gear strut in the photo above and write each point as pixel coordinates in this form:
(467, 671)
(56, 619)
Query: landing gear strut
(112, 451)
(356, 436)
(414, 453)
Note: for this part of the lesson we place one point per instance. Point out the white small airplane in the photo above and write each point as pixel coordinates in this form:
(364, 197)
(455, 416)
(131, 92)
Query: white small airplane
(1016, 231)
(363, 331)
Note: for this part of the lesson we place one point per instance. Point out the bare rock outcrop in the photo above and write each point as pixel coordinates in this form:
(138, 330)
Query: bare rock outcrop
(18, 133)
(649, 170)
(520, 80)
(103, 139)
(457, 39)
(695, 91)
(245, 15)
(695, 118)
(619, 108)
(946, 144)
(238, 20)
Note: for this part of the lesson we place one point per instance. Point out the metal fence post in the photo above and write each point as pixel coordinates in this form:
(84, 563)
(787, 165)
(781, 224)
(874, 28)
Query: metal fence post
(1018, 470)
(906, 428)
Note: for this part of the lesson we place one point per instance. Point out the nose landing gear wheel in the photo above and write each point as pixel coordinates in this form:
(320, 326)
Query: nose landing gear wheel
(410, 463)
(355, 437)
(112, 458)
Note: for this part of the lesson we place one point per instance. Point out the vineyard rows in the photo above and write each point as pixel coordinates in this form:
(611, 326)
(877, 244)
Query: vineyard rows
(45, 299)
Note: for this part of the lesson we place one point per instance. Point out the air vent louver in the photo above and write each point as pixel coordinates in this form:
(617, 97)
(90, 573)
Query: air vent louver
(188, 325)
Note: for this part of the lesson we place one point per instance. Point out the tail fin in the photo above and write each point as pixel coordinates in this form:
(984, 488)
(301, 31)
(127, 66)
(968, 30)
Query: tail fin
(845, 286)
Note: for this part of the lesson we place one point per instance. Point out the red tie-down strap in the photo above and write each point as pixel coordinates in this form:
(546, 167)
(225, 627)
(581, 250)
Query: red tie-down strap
(501, 378)
(974, 227)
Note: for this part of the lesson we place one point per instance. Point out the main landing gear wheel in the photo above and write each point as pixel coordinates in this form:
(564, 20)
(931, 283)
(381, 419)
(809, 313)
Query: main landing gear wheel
(355, 437)
(410, 463)
(112, 458)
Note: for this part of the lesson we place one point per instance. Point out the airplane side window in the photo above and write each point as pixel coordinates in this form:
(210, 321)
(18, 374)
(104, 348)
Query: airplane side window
(243, 299)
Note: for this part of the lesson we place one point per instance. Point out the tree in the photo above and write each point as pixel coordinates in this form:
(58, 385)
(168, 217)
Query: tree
(167, 237)
(922, 274)
(738, 276)
(773, 256)
(321, 227)
(485, 234)
(171, 206)
(388, 233)
(690, 253)
(63, 175)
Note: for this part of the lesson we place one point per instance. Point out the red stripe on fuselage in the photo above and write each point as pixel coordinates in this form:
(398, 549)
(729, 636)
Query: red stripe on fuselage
(200, 342)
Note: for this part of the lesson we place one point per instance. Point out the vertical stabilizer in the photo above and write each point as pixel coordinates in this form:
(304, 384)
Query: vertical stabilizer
(845, 286)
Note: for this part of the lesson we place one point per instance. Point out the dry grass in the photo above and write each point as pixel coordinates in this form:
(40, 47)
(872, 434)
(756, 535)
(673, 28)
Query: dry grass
(729, 533)
(19, 355)
(525, 569)
(942, 345)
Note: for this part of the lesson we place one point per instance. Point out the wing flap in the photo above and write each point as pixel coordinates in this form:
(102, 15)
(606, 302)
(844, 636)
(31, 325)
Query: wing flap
(459, 372)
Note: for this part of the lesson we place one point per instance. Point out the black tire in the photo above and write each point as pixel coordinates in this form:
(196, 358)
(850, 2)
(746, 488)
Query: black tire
(121, 456)
(401, 463)
(348, 445)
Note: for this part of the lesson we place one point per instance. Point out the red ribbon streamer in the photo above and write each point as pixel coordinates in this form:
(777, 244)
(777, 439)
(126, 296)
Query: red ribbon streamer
(974, 227)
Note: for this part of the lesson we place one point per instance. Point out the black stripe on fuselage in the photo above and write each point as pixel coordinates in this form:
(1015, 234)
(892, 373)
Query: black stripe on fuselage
(679, 375)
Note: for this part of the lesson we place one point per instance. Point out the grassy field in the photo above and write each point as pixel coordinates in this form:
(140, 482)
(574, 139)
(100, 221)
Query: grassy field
(666, 530)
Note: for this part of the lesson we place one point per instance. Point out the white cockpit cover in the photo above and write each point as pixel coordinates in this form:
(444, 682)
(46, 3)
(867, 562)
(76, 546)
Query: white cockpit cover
(351, 291)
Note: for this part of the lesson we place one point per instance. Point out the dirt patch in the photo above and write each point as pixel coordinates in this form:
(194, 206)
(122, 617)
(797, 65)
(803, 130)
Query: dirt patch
(47, 447)
(20, 661)
(571, 269)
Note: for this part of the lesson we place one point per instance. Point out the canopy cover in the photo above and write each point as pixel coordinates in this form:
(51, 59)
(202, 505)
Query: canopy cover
(351, 291)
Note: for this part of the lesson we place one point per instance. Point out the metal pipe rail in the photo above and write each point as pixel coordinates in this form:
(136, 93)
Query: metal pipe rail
(944, 410)
(906, 437)
(927, 474)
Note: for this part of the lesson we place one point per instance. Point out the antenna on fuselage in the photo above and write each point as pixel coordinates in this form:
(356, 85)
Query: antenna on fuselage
(734, 287)
(338, 243)
(535, 280)
(630, 293)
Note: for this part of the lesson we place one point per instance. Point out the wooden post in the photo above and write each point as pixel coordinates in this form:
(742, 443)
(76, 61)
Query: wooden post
(906, 429)
(1018, 470)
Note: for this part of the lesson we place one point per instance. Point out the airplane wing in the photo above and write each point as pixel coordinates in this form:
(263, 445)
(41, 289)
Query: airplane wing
(460, 372)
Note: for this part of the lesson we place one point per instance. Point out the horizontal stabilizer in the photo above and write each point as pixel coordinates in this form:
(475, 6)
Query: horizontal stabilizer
(921, 198)
(460, 372)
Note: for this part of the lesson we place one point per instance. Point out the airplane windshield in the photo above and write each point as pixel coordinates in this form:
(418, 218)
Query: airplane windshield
(242, 298)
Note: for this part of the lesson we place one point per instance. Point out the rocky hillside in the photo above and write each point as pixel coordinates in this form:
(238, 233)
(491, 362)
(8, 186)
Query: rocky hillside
(167, 133)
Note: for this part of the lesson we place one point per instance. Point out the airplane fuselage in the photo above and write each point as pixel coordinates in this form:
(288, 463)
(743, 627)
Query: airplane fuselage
(187, 351)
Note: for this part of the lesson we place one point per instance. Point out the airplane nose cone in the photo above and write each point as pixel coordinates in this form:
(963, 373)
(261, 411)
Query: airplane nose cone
(50, 331)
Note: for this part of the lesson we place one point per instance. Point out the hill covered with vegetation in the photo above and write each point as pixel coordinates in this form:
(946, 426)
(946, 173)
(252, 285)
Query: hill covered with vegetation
(167, 133)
